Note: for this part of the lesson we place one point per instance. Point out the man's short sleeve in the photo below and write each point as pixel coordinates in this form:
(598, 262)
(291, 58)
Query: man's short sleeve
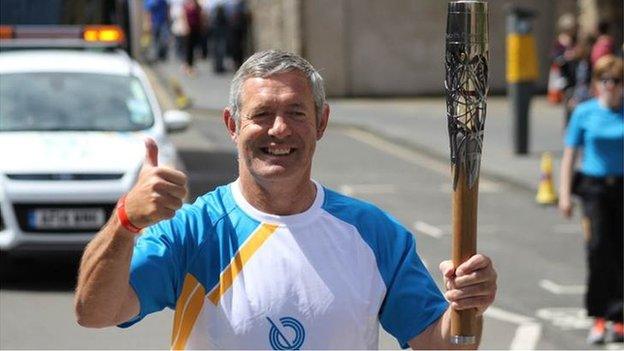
(413, 301)
(155, 269)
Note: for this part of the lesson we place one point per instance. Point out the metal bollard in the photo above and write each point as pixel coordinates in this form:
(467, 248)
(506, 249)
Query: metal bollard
(522, 72)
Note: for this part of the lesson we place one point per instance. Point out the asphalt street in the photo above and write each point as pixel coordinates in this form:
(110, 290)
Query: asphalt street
(539, 256)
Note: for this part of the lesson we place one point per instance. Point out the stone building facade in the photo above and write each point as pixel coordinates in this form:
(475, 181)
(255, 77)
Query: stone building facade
(394, 47)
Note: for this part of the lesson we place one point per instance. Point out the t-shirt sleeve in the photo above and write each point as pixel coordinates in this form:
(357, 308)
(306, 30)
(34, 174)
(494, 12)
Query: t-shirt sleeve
(412, 301)
(156, 269)
(574, 131)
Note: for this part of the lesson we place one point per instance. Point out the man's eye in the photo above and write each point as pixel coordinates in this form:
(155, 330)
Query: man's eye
(297, 114)
(260, 114)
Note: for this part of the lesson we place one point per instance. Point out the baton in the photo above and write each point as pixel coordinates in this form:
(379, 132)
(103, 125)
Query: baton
(466, 84)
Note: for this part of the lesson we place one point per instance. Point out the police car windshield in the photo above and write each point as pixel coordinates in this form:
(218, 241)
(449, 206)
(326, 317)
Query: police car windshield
(45, 101)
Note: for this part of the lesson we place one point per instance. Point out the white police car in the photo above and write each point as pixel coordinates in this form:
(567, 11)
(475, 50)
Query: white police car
(72, 130)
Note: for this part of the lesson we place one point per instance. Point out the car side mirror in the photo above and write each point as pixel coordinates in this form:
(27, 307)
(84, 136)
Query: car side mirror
(176, 120)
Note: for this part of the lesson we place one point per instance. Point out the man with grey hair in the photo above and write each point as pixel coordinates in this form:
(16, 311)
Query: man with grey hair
(274, 259)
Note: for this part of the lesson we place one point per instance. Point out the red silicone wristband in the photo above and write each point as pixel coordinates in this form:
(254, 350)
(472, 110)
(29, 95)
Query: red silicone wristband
(123, 216)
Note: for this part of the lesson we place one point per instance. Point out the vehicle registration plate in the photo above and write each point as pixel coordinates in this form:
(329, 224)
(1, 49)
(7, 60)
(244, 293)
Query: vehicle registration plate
(67, 218)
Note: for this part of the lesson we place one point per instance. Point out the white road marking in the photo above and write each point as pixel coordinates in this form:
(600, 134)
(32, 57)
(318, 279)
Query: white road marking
(559, 289)
(506, 316)
(528, 332)
(353, 189)
(566, 318)
(526, 337)
(428, 229)
(401, 152)
(568, 228)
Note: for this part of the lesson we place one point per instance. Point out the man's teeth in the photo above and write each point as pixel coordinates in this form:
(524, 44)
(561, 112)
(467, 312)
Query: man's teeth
(279, 151)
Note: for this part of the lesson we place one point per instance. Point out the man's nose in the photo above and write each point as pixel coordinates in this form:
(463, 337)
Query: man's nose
(279, 128)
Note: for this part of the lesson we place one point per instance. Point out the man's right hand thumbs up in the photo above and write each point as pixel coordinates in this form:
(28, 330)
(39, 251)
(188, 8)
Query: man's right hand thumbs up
(151, 152)
(158, 193)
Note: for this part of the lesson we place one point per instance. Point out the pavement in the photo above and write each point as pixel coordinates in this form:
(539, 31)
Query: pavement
(415, 122)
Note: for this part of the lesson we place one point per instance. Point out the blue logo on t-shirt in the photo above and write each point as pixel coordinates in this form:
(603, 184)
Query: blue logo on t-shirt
(289, 337)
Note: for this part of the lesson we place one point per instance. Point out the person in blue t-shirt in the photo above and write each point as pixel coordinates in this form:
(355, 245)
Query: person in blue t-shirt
(597, 127)
(159, 21)
(274, 259)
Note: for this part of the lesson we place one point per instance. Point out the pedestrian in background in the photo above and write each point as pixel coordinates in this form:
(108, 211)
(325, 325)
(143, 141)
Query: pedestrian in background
(179, 27)
(238, 32)
(204, 39)
(219, 29)
(597, 127)
(581, 91)
(159, 21)
(193, 13)
(563, 57)
(604, 45)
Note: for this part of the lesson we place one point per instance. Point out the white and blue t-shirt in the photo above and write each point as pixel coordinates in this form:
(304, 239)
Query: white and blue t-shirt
(325, 278)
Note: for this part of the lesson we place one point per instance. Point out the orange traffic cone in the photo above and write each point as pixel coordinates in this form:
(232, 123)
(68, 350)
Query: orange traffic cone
(546, 191)
(556, 83)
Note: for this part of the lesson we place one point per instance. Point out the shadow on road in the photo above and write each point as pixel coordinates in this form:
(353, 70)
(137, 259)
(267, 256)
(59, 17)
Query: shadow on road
(208, 169)
(41, 273)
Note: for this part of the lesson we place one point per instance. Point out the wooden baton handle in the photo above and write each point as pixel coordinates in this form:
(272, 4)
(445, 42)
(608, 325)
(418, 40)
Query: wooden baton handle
(464, 217)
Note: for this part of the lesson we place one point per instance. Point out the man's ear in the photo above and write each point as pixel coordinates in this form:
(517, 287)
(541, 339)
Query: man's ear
(230, 123)
(322, 123)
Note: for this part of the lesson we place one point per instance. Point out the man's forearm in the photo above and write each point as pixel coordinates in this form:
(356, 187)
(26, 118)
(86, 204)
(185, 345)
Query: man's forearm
(103, 278)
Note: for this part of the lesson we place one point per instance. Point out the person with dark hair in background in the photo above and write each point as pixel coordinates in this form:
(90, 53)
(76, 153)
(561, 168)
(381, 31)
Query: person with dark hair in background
(238, 28)
(193, 13)
(597, 126)
(219, 28)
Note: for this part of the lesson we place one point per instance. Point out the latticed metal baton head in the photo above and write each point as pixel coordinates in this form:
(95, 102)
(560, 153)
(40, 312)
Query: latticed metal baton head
(466, 92)
(466, 83)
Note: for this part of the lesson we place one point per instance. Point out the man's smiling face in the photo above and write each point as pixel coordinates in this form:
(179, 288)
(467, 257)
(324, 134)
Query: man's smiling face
(278, 128)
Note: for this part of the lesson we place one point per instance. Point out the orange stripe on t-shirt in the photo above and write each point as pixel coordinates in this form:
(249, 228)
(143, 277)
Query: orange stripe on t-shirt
(240, 259)
(188, 307)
